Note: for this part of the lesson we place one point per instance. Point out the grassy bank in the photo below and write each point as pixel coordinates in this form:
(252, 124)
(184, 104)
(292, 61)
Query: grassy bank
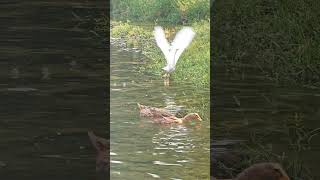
(280, 37)
(133, 21)
(193, 65)
(168, 11)
(259, 149)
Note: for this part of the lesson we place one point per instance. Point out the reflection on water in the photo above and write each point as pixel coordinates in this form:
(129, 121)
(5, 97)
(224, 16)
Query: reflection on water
(171, 106)
(144, 150)
(47, 109)
(175, 139)
(247, 105)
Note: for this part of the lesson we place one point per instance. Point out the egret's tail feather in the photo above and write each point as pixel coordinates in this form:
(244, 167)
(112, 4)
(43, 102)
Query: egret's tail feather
(140, 106)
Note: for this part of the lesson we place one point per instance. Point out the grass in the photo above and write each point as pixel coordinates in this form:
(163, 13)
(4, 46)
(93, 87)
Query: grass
(133, 22)
(258, 149)
(168, 11)
(194, 64)
(280, 37)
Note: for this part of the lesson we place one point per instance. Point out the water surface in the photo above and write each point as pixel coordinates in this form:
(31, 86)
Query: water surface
(52, 89)
(248, 106)
(143, 150)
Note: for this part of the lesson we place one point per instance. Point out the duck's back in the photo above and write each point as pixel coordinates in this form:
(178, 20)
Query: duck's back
(153, 112)
(164, 120)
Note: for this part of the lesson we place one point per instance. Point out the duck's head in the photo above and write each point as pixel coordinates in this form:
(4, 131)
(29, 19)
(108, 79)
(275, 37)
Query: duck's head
(192, 116)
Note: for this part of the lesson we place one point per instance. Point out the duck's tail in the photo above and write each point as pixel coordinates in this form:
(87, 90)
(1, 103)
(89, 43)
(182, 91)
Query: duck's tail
(140, 106)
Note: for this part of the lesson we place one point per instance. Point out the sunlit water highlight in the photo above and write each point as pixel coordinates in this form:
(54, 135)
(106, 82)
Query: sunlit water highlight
(147, 150)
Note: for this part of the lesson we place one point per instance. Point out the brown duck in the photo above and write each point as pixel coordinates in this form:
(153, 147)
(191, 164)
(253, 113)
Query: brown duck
(103, 149)
(162, 116)
(153, 112)
(262, 171)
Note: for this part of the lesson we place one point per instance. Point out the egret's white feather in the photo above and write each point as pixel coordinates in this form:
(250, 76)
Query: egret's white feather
(161, 40)
(182, 41)
(173, 52)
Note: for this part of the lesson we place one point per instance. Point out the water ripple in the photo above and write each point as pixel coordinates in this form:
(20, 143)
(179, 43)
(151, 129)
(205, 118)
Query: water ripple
(154, 175)
(165, 164)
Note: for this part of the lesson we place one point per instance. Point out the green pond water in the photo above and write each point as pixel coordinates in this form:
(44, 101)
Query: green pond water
(52, 89)
(144, 150)
(247, 106)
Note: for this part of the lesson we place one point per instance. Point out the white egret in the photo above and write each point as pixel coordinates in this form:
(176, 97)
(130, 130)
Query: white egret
(173, 51)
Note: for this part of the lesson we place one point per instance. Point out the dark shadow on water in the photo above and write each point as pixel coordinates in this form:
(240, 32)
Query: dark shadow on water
(249, 107)
(52, 89)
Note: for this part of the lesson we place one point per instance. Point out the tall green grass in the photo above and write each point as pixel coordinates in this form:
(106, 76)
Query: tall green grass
(133, 21)
(279, 36)
(193, 65)
(169, 11)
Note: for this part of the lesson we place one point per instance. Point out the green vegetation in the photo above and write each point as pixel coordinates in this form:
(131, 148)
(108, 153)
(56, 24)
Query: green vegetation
(280, 37)
(194, 64)
(258, 148)
(169, 11)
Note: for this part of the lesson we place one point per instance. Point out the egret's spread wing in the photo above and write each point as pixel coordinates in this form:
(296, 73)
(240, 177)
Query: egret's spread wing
(171, 58)
(182, 41)
(161, 40)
